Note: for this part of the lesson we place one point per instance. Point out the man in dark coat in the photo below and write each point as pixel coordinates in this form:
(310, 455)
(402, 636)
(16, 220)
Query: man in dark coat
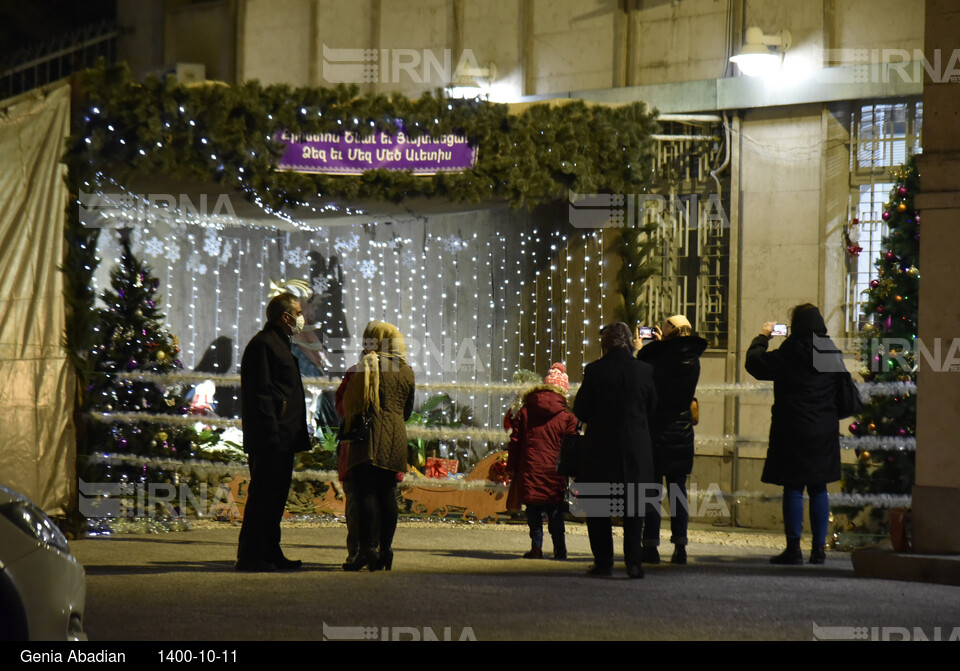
(615, 401)
(274, 418)
(804, 449)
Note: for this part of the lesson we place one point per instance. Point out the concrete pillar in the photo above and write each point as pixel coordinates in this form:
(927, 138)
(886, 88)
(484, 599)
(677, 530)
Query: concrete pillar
(936, 492)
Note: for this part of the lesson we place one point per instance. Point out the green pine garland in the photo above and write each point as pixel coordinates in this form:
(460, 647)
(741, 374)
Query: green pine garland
(224, 134)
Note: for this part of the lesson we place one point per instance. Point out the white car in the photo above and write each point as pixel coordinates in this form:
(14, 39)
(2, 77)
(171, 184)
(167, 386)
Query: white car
(42, 586)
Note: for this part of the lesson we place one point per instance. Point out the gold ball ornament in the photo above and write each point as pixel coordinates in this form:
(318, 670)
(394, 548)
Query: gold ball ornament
(871, 427)
(162, 435)
(902, 207)
(864, 456)
(161, 355)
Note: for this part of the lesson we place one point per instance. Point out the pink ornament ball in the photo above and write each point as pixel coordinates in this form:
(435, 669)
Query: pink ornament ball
(902, 191)
(886, 216)
(854, 427)
(874, 284)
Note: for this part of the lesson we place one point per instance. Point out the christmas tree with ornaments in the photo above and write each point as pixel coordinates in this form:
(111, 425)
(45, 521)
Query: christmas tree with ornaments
(888, 353)
(132, 339)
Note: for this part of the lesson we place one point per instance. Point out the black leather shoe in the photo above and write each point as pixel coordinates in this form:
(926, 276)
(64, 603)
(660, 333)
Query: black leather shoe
(818, 555)
(635, 572)
(350, 560)
(600, 571)
(284, 564)
(679, 555)
(790, 557)
(255, 566)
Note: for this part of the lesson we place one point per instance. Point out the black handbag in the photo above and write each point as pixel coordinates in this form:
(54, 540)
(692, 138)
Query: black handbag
(573, 450)
(359, 432)
(849, 402)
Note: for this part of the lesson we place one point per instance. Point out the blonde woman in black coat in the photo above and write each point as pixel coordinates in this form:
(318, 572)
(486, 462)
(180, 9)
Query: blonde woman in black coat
(804, 449)
(675, 357)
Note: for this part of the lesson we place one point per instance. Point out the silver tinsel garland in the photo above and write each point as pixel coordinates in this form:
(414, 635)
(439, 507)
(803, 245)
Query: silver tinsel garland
(205, 469)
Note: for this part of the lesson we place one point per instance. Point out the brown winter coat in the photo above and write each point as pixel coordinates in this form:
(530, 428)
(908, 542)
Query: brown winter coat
(387, 447)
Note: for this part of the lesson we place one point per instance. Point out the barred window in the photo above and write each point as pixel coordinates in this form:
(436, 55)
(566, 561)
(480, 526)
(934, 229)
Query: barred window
(882, 136)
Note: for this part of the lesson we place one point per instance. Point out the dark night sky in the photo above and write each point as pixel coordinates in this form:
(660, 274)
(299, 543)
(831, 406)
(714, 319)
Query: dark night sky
(28, 23)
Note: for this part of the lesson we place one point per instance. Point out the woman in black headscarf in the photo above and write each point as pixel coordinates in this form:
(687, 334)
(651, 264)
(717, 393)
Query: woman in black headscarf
(804, 449)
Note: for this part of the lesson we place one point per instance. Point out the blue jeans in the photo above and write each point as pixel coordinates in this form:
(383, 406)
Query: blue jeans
(554, 523)
(819, 512)
(676, 495)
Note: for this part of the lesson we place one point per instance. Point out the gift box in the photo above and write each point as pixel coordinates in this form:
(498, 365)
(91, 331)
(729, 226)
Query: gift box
(441, 468)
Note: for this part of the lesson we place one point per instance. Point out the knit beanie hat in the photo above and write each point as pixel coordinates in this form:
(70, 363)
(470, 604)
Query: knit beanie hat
(558, 377)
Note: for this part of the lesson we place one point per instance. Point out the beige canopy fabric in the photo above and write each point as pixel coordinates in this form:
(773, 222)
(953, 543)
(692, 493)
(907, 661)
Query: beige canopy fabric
(37, 381)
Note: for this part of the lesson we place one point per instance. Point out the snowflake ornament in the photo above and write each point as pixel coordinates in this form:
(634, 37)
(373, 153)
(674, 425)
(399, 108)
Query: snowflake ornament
(409, 258)
(173, 252)
(211, 243)
(153, 247)
(368, 269)
(452, 244)
(298, 256)
(320, 285)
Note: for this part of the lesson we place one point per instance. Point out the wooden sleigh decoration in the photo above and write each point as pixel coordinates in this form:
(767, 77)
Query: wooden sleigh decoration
(477, 503)
(469, 503)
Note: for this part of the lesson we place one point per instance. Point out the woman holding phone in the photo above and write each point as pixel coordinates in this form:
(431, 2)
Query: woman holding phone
(674, 354)
(804, 447)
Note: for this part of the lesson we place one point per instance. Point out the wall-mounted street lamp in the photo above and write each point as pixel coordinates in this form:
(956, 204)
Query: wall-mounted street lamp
(755, 58)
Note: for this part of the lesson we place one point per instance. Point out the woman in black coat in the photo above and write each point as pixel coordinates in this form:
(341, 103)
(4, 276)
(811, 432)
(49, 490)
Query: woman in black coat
(615, 400)
(804, 449)
(675, 357)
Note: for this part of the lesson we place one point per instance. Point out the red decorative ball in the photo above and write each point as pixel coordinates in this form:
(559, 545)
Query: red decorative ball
(885, 216)
(890, 256)
(902, 191)
(874, 284)
(879, 309)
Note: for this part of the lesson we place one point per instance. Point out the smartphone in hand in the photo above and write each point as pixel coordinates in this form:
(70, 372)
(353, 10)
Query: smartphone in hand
(779, 330)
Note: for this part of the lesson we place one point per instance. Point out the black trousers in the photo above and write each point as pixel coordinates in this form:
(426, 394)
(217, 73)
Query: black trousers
(270, 476)
(376, 506)
(600, 532)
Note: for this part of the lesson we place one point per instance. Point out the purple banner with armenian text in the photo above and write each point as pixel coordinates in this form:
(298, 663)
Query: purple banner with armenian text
(348, 153)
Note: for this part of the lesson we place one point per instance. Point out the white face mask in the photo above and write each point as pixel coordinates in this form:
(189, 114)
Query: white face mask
(298, 327)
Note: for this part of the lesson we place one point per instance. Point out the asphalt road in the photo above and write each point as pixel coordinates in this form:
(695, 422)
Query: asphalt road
(470, 582)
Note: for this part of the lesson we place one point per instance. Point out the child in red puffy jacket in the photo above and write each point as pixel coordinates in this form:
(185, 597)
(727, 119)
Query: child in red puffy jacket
(537, 430)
